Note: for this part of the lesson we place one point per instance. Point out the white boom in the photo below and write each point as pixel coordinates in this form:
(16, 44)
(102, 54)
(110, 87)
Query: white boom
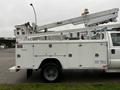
(89, 20)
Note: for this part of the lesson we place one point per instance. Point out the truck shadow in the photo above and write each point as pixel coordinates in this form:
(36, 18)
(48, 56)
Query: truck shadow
(79, 76)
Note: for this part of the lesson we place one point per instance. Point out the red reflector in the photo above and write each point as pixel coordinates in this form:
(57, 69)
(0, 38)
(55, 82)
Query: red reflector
(19, 46)
(104, 66)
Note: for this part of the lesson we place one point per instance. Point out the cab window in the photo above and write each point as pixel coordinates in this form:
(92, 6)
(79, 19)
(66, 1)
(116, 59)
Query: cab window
(115, 39)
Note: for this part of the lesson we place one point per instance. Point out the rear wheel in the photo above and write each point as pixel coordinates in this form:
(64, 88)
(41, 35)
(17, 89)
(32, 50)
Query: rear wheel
(51, 72)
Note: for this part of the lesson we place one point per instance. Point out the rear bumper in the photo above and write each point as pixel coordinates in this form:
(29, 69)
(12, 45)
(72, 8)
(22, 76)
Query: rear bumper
(14, 69)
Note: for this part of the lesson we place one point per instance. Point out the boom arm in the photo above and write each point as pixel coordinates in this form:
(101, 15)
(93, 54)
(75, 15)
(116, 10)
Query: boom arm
(89, 20)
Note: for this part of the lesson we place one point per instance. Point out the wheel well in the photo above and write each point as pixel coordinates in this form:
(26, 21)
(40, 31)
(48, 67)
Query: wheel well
(50, 60)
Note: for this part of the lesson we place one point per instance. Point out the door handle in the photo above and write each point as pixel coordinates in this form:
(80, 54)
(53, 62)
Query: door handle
(112, 51)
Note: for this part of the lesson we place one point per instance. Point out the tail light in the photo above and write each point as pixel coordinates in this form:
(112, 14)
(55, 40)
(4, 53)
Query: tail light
(19, 46)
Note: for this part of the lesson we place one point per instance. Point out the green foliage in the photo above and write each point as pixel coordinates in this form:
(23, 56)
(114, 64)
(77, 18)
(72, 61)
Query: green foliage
(62, 86)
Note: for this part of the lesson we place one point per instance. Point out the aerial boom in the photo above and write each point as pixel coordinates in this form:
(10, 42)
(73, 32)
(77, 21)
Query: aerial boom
(89, 20)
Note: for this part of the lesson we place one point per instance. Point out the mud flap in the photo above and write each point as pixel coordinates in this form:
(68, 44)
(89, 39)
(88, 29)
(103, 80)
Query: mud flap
(29, 73)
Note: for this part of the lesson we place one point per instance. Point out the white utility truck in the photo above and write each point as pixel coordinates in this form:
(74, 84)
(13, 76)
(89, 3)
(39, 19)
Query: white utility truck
(95, 47)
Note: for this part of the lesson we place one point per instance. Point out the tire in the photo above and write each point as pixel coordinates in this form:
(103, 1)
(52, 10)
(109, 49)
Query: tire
(51, 72)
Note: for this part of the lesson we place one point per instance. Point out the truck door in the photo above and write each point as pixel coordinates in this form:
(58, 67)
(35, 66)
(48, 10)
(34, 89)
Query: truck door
(114, 40)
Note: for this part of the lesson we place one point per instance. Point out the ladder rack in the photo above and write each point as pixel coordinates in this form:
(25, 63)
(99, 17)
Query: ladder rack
(68, 32)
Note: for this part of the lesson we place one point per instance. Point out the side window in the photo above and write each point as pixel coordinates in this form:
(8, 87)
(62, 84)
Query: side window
(115, 39)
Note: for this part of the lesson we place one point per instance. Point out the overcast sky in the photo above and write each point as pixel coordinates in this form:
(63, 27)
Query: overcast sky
(15, 12)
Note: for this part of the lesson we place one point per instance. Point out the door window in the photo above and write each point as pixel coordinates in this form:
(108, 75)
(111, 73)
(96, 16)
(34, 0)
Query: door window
(115, 39)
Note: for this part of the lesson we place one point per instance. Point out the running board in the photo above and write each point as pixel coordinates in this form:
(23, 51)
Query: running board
(113, 70)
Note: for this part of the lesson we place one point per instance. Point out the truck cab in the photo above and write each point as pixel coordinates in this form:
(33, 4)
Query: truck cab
(114, 49)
